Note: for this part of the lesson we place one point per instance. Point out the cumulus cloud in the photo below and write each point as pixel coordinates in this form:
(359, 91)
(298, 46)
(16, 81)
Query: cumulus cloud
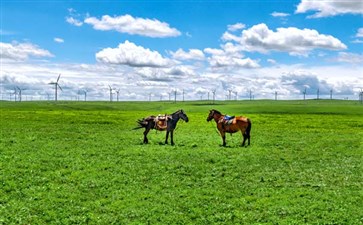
(329, 8)
(128, 53)
(310, 82)
(235, 27)
(229, 55)
(73, 18)
(359, 32)
(227, 61)
(193, 54)
(22, 51)
(260, 38)
(74, 21)
(279, 14)
(135, 26)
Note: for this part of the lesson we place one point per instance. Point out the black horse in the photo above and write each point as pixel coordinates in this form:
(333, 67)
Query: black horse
(162, 123)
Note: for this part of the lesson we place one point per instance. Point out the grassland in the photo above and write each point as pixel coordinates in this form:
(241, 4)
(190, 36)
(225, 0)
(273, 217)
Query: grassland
(81, 163)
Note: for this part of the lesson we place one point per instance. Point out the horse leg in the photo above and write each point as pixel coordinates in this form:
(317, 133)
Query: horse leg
(145, 135)
(244, 139)
(166, 138)
(172, 137)
(223, 135)
(248, 130)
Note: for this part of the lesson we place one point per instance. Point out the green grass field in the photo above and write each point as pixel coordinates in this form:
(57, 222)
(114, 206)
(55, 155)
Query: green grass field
(81, 163)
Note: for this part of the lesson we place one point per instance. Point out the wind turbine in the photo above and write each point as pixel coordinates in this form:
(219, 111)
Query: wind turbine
(14, 93)
(118, 93)
(304, 92)
(214, 95)
(56, 85)
(229, 94)
(85, 95)
(175, 96)
(20, 92)
(110, 88)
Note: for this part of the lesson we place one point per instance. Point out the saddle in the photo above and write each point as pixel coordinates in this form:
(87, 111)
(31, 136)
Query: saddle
(161, 122)
(228, 120)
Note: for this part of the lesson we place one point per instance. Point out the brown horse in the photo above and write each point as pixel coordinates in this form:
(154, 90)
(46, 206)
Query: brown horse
(232, 125)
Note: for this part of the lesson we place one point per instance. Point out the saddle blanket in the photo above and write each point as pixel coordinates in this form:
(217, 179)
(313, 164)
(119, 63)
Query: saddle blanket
(228, 119)
(161, 122)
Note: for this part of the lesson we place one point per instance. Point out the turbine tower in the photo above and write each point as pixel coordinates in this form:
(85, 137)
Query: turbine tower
(15, 93)
(118, 93)
(110, 88)
(20, 89)
(214, 95)
(85, 95)
(56, 86)
(304, 92)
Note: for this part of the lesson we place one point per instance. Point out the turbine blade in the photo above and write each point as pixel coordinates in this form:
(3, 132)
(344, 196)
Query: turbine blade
(60, 87)
(58, 78)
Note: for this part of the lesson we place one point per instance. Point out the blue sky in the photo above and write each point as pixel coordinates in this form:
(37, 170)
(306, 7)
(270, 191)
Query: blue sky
(151, 48)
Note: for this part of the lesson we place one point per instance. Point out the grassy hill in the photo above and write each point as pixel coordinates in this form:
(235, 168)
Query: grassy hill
(81, 162)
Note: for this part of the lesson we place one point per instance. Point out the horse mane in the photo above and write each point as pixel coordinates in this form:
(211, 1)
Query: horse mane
(216, 111)
(178, 111)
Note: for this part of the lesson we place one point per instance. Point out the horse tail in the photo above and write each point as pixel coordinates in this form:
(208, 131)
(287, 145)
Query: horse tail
(141, 123)
(249, 126)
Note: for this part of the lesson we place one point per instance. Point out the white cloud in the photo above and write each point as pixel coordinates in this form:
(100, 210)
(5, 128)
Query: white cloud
(193, 54)
(22, 51)
(349, 58)
(128, 53)
(73, 18)
(227, 36)
(359, 32)
(260, 38)
(235, 27)
(330, 8)
(357, 41)
(74, 21)
(214, 51)
(58, 40)
(272, 61)
(287, 80)
(136, 26)
(228, 61)
(279, 14)
(230, 55)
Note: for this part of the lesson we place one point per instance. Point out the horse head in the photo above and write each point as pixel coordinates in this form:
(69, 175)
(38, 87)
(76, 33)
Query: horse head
(183, 116)
(180, 114)
(212, 114)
